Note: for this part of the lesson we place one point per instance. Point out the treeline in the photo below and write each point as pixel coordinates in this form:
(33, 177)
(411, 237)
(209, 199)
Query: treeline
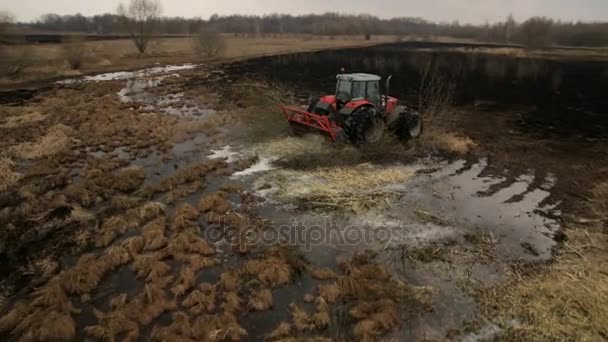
(536, 32)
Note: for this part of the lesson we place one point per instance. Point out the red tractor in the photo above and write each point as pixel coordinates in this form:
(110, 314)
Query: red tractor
(357, 113)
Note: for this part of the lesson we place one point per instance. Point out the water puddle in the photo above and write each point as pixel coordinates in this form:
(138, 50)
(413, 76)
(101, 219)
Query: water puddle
(452, 228)
(125, 75)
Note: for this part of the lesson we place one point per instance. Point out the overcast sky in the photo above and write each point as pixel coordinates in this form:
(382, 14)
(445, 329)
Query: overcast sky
(471, 11)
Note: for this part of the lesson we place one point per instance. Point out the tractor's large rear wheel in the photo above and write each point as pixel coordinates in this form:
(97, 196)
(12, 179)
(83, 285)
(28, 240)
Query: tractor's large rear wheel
(363, 126)
(408, 125)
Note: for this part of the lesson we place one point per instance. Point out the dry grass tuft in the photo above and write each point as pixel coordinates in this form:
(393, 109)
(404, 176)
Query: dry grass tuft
(189, 242)
(134, 245)
(129, 179)
(302, 321)
(22, 120)
(215, 202)
(446, 142)
(182, 192)
(323, 274)
(374, 319)
(283, 330)
(151, 267)
(154, 235)
(150, 304)
(196, 262)
(186, 280)
(113, 324)
(8, 177)
(185, 217)
(56, 140)
(202, 300)
(230, 281)
(81, 195)
(330, 292)
(123, 202)
(261, 300)
(231, 302)
(271, 271)
(347, 188)
(15, 316)
(119, 301)
(133, 218)
(51, 325)
(188, 175)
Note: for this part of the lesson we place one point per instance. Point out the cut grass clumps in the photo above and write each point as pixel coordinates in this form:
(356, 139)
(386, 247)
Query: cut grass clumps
(568, 301)
(8, 177)
(345, 188)
(56, 140)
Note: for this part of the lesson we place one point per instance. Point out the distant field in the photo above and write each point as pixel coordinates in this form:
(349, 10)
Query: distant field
(46, 61)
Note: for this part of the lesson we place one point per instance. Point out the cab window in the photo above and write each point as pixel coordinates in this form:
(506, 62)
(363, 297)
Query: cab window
(373, 91)
(358, 90)
(343, 87)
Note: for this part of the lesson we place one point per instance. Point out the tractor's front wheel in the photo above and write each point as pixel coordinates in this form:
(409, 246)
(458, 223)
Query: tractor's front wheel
(363, 126)
(408, 125)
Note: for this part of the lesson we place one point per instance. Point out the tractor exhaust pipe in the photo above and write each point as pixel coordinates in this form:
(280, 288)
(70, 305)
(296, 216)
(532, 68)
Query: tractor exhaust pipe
(388, 86)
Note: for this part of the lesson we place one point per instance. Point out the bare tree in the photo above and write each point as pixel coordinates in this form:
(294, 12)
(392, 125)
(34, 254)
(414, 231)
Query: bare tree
(6, 19)
(209, 43)
(74, 51)
(141, 19)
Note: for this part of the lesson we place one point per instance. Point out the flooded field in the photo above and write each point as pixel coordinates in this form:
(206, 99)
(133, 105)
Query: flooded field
(172, 203)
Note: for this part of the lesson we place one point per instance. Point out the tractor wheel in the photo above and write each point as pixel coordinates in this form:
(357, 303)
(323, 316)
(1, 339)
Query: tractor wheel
(408, 125)
(363, 126)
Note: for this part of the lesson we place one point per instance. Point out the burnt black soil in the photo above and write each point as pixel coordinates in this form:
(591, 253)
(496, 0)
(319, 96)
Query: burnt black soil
(563, 97)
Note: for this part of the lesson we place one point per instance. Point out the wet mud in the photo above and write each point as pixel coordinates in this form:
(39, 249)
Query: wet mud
(442, 228)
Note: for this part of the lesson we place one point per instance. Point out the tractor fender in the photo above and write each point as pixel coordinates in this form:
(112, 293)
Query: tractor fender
(352, 106)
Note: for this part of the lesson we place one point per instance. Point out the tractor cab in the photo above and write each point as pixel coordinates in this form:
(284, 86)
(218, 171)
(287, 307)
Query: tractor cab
(353, 87)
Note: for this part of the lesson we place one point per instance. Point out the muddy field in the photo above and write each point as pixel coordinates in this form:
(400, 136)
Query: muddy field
(172, 203)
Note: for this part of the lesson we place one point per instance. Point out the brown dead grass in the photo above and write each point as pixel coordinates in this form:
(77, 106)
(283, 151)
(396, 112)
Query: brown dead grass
(568, 301)
(445, 142)
(118, 225)
(230, 281)
(283, 330)
(231, 302)
(185, 217)
(323, 274)
(182, 192)
(48, 60)
(201, 300)
(261, 300)
(8, 177)
(374, 319)
(189, 242)
(185, 281)
(56, 140)
(191, 174)
(151, 266)
(24, 119)
(154, 234)
(129, 179)
(215, 202)
(271, 271)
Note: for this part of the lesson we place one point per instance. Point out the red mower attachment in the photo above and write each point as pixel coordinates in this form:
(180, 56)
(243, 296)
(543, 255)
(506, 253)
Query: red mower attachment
(299, 119)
